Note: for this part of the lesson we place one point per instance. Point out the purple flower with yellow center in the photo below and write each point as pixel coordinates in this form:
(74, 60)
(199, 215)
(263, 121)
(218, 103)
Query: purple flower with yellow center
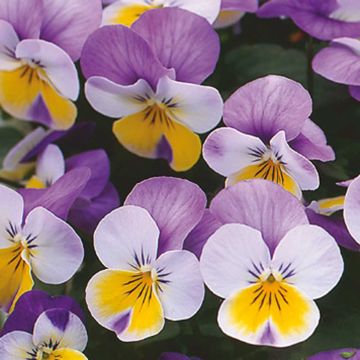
(42, 327)
(269, 136)
(126, 12)
(340, 62)
(76, 189)
(232, 11)
(340, 354)
(38, 79)
(149, 277)
(38, 243)
(132, 78)
(268, 264)
(324, 20)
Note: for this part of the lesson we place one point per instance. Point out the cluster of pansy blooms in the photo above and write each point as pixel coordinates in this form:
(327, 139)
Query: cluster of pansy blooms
(259, 245)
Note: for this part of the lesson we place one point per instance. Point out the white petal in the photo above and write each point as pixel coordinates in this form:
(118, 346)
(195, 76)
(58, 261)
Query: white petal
(61, 326)
(50, 165)
(114, 100)
(233, 258)
(198, 107)
(300, 168)
(227, 150)
(8, 42)
(182, 288)
(11, 214)
(352, 209)
(309, 258)
(127, 238)
(15, 346)
(56, 63)
(58, 251)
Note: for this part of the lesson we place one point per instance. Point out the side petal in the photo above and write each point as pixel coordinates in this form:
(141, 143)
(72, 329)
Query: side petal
(227, 150)
(309, 258)
(177, 206)
(299, 167)
(124, 59)
(261, 205)
(197, 107)
(234, 257)
(182, 40)
(180, 286)
(264, 321)
(8, 43)
(50, 165)
(127, 238)
(267, 105)
(68, 23)
(57, 251)
(16, 345)
(118, 304)
(355, 92)
(352, 209)
(62, 327)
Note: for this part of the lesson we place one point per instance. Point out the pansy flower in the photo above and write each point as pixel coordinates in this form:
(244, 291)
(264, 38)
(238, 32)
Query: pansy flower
(84, 177)
(126, 12)
(132, 79)
(340, 354)
(324, 20)
(40, 40)
(268, 264)
(149, 278)
(269, 136)
(42, 327)
(340, 62)
(233, 10)
(38, 243)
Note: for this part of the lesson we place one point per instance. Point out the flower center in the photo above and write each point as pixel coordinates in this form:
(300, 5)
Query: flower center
(44, 353)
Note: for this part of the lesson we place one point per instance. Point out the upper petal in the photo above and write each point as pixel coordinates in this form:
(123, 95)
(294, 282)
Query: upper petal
(127, 238)
(68, 23)
(309, 258)
(176, 205)
(262, 205)
(57, 251)
(233, 258)
(267, 105)
(352, 209)
(182, 40)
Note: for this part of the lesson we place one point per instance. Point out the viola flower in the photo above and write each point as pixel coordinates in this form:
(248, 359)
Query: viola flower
(45, 328)
(38, 78)
(340, 62)
(149, 278)
(324, 20)
(340, 354)
(84, 177)
(38, 243)
(269, 136)
(268, 264)
(233, 10)
(132, 79)
(126, 12)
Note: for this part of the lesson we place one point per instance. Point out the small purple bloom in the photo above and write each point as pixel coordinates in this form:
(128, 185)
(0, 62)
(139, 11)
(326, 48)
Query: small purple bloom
(341, 354)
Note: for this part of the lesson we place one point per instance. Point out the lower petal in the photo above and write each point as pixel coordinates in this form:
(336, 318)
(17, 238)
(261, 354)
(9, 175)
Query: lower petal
(275, 314)
(15, 277)
(125, 302)
(67, 354)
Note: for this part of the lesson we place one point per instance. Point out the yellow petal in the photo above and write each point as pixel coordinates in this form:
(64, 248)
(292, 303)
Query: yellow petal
(67, 354)
(127, 15)
(35, 183)
(331, 205)
(15, 276)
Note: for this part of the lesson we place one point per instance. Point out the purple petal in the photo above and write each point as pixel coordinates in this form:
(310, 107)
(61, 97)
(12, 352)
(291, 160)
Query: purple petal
(58, 198)
(86, 214)
(125, 57)
(336, 227)
(261, 204)
(176, 205)
(98, 163)
(268, 105)
(173, 356)
(17, 13)
(68, 23)
(241, 5)
(181, 40)
(312, 143)
(355, 92)
(198, 237)
(32, 304)
(341, 354)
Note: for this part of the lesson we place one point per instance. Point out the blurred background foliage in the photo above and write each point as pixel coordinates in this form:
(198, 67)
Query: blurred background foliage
(253, 49)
